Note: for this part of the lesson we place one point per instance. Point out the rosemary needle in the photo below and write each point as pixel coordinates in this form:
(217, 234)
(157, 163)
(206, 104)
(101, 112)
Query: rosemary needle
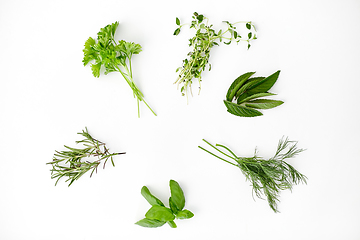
(70, 163)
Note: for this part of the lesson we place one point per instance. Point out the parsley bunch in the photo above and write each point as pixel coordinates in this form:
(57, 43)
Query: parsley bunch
(205, 38)
(267, 176)
(113, 57)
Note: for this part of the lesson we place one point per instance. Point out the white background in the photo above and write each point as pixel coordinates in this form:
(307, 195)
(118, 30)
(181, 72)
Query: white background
(47, 96)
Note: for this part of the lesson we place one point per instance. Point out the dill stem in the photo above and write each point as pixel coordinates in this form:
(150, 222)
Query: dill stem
(221, 151)
(217, 156)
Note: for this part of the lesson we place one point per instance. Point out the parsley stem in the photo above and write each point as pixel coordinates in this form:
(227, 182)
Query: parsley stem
(137, 93)
(149, 107)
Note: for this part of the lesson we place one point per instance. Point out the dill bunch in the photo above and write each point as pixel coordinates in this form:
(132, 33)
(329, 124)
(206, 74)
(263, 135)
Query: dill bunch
(267, 177)
(71, 163)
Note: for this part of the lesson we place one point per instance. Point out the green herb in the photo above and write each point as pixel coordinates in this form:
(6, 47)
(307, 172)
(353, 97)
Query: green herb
(243, 96)
(267, 177)
(205, 38)
(113, 57)
(158, 214)
(70, 163)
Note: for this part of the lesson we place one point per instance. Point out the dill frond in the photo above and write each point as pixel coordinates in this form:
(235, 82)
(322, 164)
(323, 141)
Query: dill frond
(267, 177)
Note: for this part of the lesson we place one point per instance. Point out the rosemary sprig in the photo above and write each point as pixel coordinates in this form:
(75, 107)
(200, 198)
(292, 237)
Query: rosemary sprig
(70, 163)
(267, 177)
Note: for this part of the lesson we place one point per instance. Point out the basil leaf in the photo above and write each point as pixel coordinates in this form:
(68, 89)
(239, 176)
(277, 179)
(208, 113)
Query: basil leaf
(241, 111)
(172, 224)
(184, 214)
(150, 198)
(150, 223)
(177, 195)
(172, 206)
(160, 213)
(263, 103)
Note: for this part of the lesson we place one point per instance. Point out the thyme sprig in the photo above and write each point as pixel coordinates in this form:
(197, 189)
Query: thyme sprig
(205, 38)
(70, 163)
(267, 177)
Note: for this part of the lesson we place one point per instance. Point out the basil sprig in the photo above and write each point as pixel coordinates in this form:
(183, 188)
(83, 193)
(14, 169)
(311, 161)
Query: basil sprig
(159, 214)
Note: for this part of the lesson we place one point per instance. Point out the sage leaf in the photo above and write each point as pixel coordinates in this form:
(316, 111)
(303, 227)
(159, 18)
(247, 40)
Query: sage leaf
(248, 84)
(265, 84)
(234, 87)
(177, 195)
(264, 103)
(154, 201)
(150, 223)
(241, 111)
(246, 91)
(256, 95)
(160, 213)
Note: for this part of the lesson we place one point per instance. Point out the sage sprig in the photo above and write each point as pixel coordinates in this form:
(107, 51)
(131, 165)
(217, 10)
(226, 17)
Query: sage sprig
(159, 214)
(267, 177)
(205, 38)
(71, 164)
(246, 93)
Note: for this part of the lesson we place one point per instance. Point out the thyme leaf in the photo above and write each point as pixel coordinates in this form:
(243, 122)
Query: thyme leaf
(205, 38)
